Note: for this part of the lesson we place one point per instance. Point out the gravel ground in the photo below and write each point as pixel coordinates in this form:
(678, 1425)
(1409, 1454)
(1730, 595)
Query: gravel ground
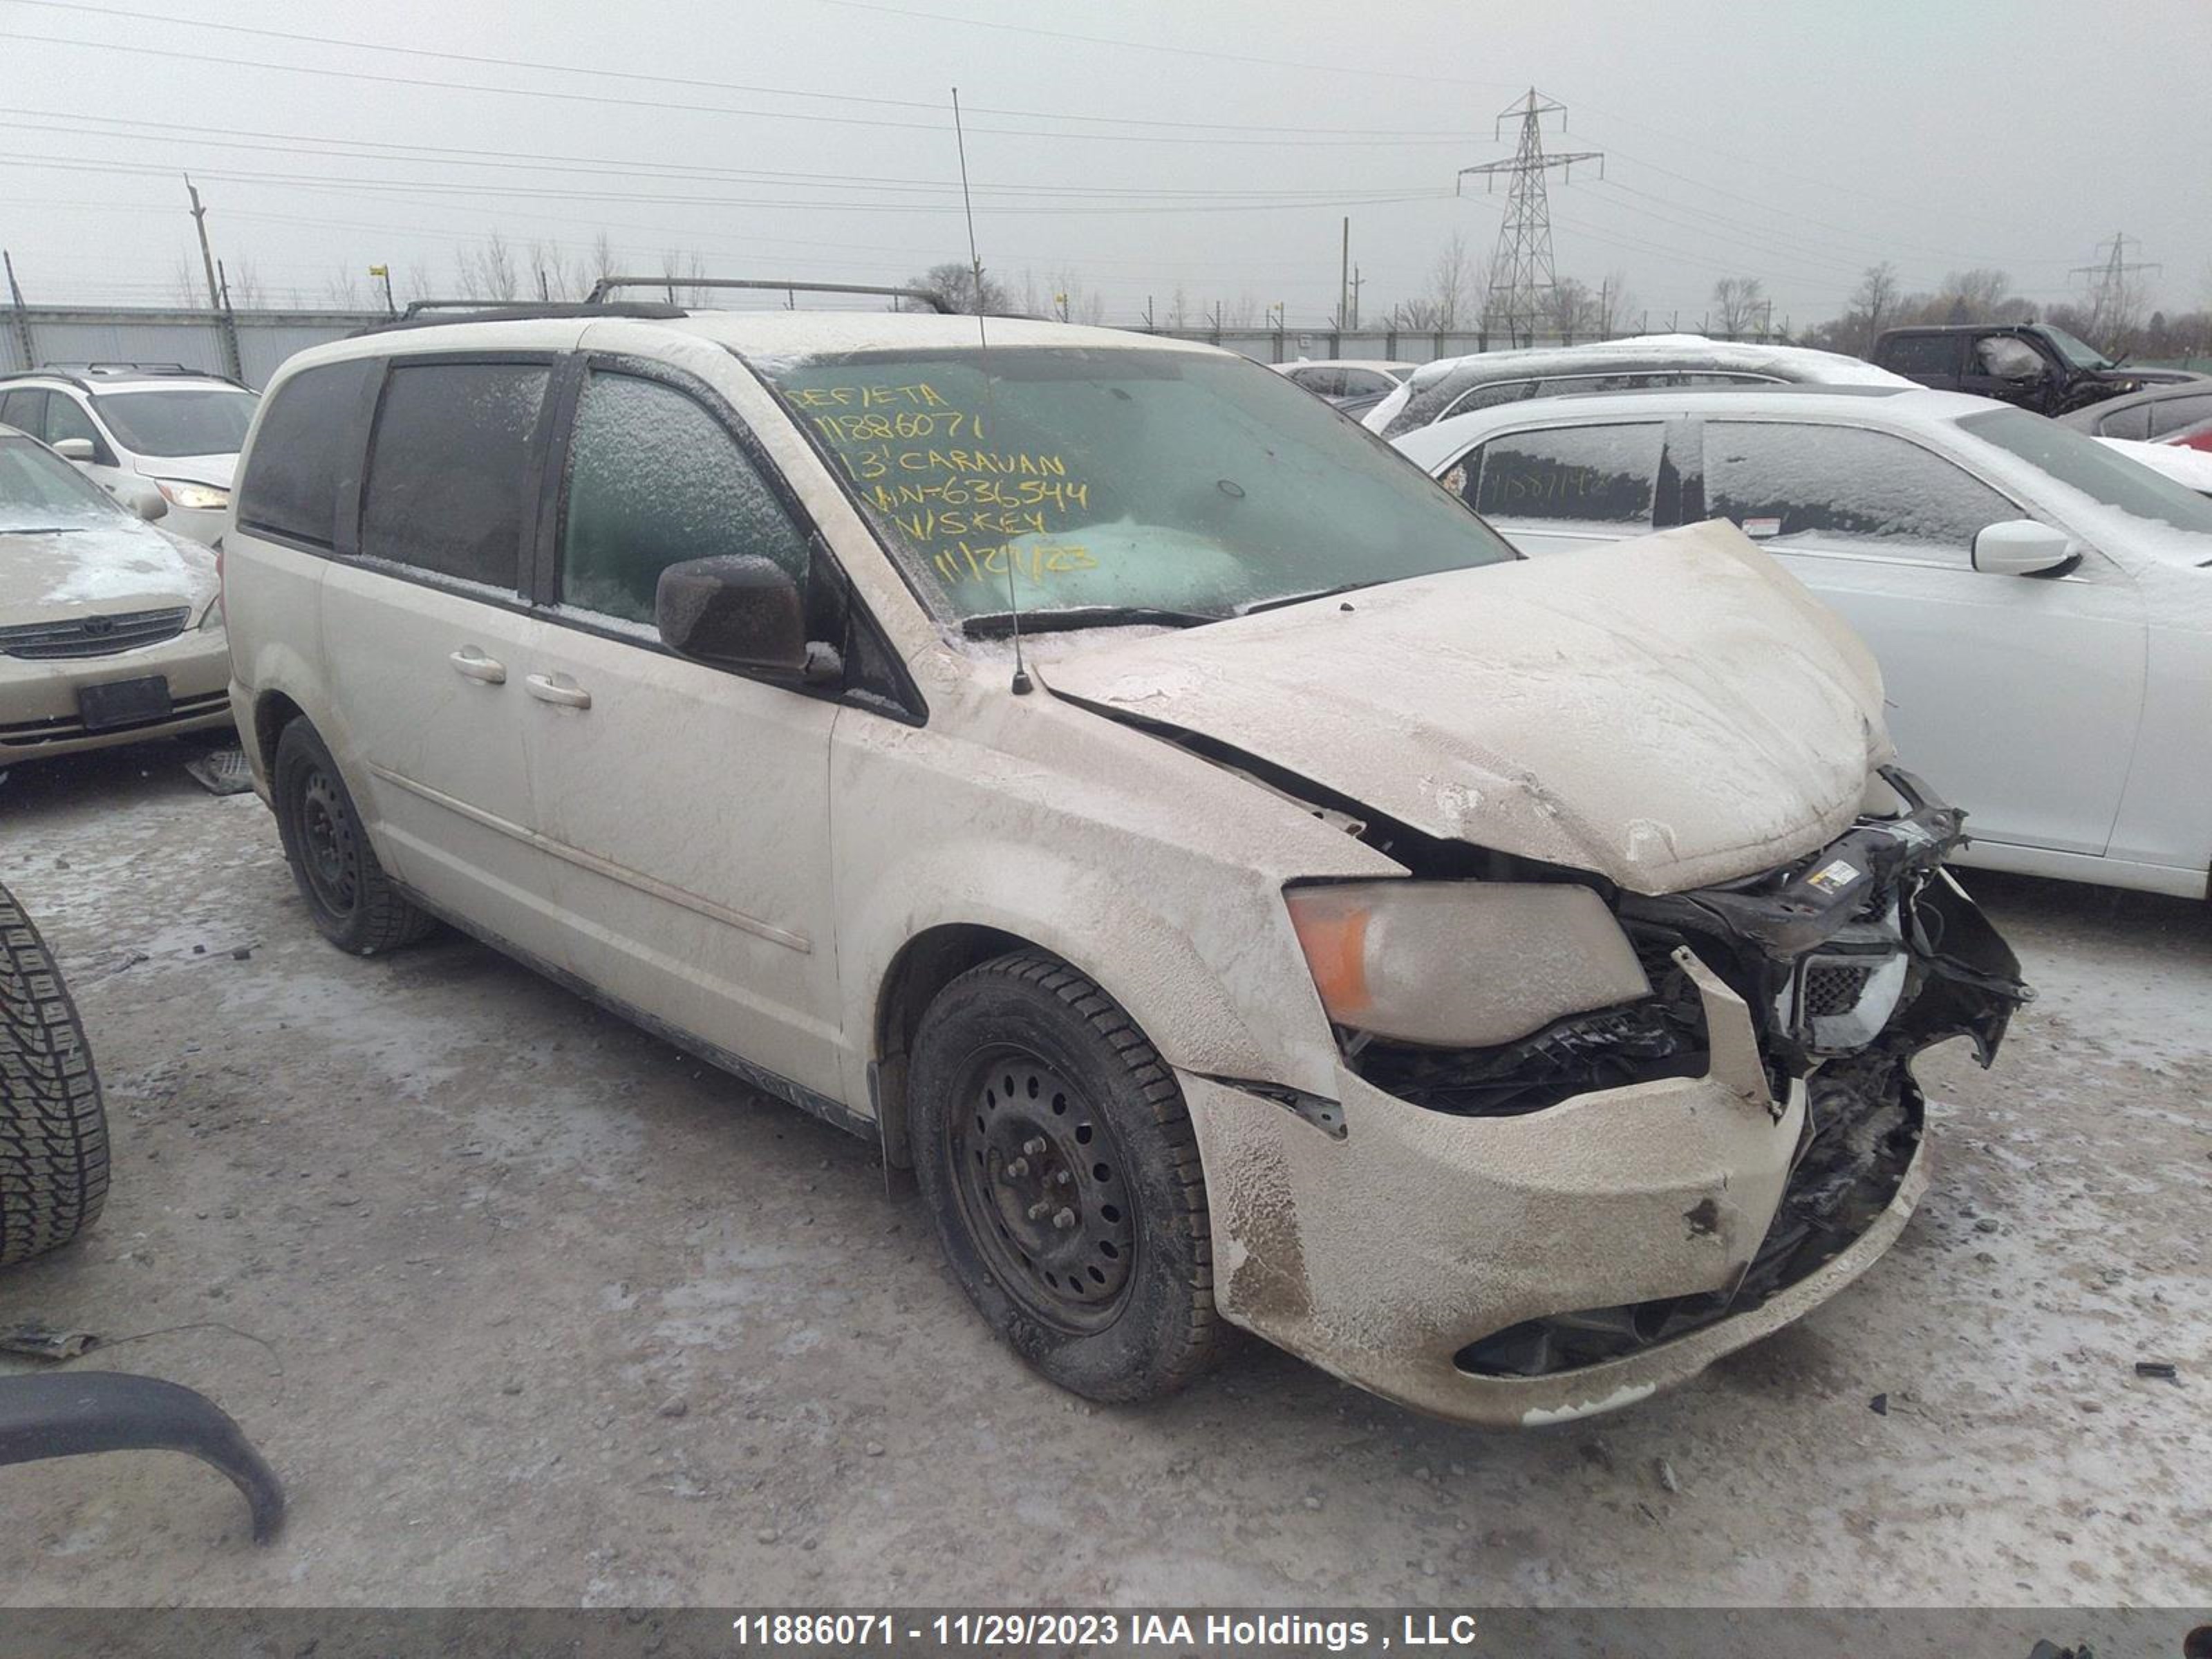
(528, 1308)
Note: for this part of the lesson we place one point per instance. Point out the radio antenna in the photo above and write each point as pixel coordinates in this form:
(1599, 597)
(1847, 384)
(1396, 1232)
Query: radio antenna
(1022, 682)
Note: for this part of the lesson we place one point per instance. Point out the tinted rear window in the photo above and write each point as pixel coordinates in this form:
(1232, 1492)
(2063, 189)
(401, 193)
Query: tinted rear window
(449, 469)
(290, 486)
(1922, 354)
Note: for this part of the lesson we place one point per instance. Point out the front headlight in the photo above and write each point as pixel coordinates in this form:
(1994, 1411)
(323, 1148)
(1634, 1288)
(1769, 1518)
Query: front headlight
(205, 498)
(1462, 963)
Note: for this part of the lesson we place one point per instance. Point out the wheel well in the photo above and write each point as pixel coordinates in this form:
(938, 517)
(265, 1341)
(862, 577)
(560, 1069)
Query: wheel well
(272, 716)
(925, 965)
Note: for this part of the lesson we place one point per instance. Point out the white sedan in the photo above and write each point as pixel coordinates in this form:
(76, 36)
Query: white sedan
(2041, 605)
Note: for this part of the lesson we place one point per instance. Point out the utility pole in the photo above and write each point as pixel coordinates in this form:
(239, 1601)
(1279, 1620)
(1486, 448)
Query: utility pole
(1523, 280)
(224, 326)
(2111, 298)
(22, 314)
(1356, 280)
(385, 271)
(1148, 313)
(1343, 281)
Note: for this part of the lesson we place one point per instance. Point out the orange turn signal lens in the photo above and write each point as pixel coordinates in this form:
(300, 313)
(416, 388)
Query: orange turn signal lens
(1332, 929)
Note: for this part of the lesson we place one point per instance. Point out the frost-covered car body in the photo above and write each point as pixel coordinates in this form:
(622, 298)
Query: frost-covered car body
(2058, 691)
(110, 630)
(1473, 916)
(136, 430)
(1459, 385)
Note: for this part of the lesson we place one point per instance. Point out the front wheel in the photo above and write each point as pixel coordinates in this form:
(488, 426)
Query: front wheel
(1054, 1150)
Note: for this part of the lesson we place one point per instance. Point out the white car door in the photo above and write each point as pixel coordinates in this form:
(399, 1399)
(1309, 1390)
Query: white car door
(427, 638)
(1548, 489)
(688, 806)
(2019, 697)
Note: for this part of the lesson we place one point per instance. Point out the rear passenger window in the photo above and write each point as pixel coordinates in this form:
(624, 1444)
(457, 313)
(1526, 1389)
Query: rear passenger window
(290, 486)
(2172, 414)
(1922, 354)
(2128, 423)
(1604, 477)
(448, 486)
(1840, 487)
(654, 479)
(25, 410)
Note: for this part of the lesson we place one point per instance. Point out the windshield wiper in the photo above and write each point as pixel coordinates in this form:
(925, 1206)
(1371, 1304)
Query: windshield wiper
(41, 529)
(999, 624)
(1282, 599)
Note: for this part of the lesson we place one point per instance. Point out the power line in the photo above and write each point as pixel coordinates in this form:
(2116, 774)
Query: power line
(231, 60)
(707, 85)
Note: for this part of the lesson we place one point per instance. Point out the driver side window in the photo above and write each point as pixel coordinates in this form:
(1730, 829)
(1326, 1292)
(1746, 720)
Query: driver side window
(655, 479)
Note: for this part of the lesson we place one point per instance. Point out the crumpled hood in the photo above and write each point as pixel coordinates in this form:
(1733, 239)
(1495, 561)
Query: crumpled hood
(1667, 713)
(215, 470)
(118, 564)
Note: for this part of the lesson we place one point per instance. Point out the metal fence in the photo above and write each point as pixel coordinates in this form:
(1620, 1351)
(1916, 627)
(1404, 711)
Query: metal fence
(251, 342)
(256, 342)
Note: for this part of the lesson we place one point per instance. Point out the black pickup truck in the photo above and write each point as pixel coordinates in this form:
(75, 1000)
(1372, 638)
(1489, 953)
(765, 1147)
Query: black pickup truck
(2032, 364)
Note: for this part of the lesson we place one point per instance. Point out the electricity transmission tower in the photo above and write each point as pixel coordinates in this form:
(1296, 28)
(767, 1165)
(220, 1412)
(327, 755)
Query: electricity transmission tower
(2113, 298)
(1522, 280)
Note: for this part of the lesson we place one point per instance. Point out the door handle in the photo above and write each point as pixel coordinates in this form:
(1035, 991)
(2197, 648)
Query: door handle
(561, 691)
(471, 664)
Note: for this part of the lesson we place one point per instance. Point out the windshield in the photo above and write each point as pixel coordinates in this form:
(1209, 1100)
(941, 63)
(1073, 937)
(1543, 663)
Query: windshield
(2076, 354)
(40, 491)
(1119, 479)
(181, 421)
(2095, 468)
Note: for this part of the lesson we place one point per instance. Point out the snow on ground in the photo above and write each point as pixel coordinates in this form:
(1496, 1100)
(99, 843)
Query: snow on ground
(527, 1307)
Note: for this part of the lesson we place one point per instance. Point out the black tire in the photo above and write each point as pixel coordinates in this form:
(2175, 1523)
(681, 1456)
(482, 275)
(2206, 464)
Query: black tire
(1029, 1086)
(54, 1130)
(348, 894)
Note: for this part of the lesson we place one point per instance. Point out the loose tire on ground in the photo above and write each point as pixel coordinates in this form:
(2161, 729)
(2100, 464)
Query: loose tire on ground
(348, 894)
(1056, 1155)
(53, 1129)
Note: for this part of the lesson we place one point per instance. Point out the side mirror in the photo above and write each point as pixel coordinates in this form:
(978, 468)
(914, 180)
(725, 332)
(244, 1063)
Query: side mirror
(73, 449)
(741, 611)
(146, 502)
(2021, 547)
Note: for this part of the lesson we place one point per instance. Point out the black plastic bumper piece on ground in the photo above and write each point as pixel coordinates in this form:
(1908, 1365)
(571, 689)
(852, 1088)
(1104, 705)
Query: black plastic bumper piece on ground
(69, 1415)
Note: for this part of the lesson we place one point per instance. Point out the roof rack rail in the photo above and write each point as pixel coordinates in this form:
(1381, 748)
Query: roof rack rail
(438, 313)
(80, 373)
(927, 296)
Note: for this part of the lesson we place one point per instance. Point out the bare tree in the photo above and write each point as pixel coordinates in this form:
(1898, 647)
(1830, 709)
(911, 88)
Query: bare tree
(1179, 305)
(242, 287)
(1741, 301)
(1451, 280)
(487, 271)
(601, 264)
(1875, 303)
(955, 282)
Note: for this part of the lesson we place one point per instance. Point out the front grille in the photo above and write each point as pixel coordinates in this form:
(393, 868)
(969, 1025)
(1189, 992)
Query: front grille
(1834, 988)
(93, 636)
(68, 728)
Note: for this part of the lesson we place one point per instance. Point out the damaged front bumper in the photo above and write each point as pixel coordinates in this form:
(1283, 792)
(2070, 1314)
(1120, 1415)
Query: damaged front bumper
(1565, 1224)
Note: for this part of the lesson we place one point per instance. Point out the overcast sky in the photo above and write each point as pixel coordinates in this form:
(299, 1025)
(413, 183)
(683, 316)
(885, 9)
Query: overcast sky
(1142, 145)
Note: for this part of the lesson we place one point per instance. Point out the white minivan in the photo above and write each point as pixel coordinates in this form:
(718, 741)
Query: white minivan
(1238, 885)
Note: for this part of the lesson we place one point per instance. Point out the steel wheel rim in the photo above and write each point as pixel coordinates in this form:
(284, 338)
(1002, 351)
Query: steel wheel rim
(328, 851)
(1043, 1189)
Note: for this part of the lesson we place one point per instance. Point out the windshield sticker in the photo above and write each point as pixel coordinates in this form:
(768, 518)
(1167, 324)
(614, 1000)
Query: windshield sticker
(924, 463)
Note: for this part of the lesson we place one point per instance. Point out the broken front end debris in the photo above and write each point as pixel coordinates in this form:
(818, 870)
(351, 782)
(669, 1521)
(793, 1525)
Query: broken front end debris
(1609, 1203)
